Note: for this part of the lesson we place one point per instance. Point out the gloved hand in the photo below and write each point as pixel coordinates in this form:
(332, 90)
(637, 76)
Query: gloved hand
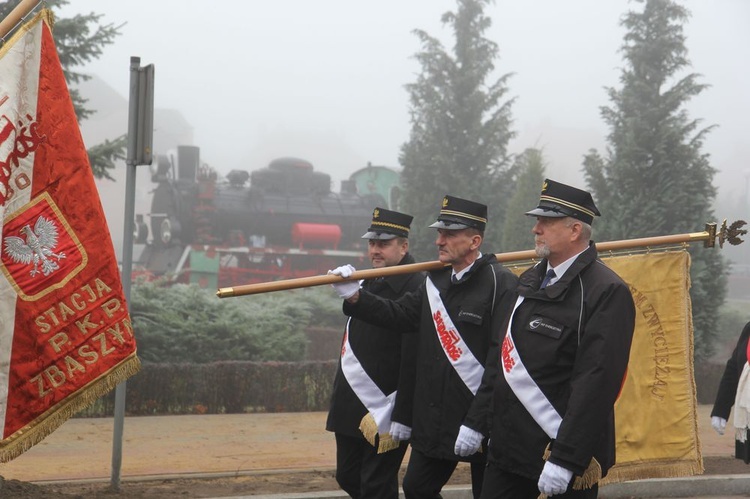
(467, 442)
(719, 424)
(400, 432)
(344, 271)
(345, 289)
(554, 479)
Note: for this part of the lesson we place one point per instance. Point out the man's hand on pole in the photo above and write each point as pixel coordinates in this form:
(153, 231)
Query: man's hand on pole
(345, 289)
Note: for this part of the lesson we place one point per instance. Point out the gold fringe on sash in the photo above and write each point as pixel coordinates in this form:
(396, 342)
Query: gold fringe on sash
(590, 477)
(34, 432)
(369, 429)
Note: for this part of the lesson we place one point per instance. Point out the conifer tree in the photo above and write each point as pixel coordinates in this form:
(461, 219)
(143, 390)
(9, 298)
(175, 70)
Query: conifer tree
(655, 179)
(517, 235)
(460, 128)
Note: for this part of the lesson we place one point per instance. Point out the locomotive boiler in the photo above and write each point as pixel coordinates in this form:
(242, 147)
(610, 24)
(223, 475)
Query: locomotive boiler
(282, 221)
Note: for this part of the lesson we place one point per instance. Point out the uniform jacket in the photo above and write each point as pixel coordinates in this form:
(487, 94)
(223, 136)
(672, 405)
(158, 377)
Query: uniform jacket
(580, 369)
(731, 377)
(477, 304)
(378, 349)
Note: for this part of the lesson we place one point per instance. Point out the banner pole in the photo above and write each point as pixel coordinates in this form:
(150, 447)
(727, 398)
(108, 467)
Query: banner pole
(16, 16)
(708, 236)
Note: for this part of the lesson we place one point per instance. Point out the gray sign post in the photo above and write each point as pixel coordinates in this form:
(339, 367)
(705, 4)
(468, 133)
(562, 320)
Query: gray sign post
(140, 144)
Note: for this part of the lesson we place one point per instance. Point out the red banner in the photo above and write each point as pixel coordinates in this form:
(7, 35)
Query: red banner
(65, 333)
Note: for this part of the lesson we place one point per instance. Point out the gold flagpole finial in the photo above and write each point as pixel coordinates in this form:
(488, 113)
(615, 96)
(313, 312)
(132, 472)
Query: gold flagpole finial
(731, 234)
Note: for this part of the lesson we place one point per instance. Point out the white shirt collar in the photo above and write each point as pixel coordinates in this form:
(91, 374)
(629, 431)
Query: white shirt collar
(460, 274)
(562, 268)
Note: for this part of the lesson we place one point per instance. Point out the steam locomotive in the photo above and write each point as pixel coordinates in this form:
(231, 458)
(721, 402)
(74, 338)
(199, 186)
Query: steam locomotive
(284, 223)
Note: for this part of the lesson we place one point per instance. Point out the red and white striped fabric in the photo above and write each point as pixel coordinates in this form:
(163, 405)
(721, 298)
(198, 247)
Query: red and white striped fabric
(65, 333)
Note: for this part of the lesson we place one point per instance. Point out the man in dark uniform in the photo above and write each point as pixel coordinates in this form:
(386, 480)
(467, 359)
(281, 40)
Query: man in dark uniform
(455, 311)
(365, 386)
(560, 363)
(734, 390)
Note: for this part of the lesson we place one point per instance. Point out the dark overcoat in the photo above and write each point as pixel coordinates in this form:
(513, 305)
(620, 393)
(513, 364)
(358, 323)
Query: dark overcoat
(731, 377)
(574, 339)
(379, 350)
(477, 305)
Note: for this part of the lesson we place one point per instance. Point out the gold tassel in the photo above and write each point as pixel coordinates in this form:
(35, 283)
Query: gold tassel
(591, 476)
(34, 432)
(369, 429)
(386, 443)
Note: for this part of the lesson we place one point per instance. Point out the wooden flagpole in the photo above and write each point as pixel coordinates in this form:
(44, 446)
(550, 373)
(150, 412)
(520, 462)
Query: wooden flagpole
(708, 236)
(16, 16)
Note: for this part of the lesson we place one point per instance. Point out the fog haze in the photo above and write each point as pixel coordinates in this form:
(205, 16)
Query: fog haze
(325, 80)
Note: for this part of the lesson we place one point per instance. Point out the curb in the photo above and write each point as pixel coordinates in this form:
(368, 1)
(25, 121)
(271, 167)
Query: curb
(699, 486)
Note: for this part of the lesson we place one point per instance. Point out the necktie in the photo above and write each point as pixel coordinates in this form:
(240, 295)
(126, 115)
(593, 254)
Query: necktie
(547, 278)
(454, 279)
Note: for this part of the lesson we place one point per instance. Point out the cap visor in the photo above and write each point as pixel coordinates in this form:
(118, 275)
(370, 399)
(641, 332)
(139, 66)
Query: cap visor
(383, 236)
(541, 212)
(448, 225)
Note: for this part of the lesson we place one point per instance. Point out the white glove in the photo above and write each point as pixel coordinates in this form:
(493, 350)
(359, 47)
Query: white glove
(554, 479)
(467, 442)
(345, 289)
(344, 271)
(719, 424)
(400, 432)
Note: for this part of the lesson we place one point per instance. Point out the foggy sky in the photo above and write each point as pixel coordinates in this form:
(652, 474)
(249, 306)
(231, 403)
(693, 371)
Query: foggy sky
(325, 80)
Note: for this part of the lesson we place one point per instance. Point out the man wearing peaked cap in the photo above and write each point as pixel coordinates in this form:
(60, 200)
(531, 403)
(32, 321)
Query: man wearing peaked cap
(369, 374)
(457, 214)
(560, 361)
(455, 311)
(560, 200)
(387, 224)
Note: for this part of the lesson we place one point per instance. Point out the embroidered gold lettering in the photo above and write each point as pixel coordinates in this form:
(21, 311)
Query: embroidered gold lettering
(58, 340)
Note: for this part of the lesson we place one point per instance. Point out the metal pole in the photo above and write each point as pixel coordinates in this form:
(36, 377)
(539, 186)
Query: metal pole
(127, 259)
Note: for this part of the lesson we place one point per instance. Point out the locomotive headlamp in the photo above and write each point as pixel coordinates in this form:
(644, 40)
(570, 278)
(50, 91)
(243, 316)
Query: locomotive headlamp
(166, 231)
(170, 230)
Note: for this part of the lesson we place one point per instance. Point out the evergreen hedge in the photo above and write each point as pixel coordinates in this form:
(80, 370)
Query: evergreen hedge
(229, 387)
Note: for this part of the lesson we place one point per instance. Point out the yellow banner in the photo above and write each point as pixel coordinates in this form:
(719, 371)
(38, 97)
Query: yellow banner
(656, 415)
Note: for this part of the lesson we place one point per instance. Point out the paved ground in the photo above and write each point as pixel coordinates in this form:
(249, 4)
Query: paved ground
(261, 446)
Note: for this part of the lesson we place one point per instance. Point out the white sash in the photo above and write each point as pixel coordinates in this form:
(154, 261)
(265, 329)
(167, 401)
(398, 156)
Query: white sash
(463, 361)
(525, 387)
(376, 403)
(741, 409)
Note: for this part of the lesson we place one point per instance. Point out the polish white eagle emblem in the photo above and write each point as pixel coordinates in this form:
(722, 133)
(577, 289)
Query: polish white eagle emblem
(37, 248)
